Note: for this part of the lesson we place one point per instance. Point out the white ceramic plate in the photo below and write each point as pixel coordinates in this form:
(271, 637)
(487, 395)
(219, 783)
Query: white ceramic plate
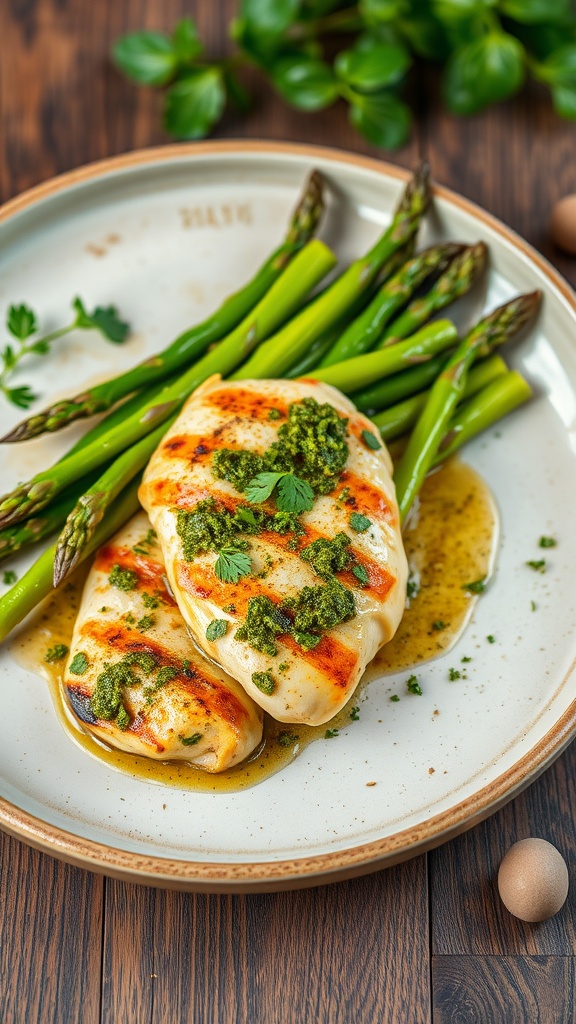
(165, 234)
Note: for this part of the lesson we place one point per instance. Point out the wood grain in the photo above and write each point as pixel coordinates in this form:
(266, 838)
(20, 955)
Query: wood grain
(353, 952)
(50, 939)
(503, 989)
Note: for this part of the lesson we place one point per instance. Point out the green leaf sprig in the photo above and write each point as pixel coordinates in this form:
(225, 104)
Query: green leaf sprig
(22, 325)
(488, 47)
(293, 494)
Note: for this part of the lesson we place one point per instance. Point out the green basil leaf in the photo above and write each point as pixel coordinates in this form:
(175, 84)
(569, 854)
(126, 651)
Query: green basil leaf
(21, 321)
(269, 17)
(185, 41)
(305, 82)
(381, 118)
(534, 12)
(383, 10)
(564, 99)
(146, 57)
(195, 103)
(369, 68)
(559, 69)
(483, 72)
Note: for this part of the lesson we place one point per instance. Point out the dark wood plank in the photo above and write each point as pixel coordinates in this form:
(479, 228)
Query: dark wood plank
(50, 939)
(514, 990)
(357, 951)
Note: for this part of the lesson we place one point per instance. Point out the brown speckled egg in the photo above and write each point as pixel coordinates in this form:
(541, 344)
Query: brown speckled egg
(533, 880)
(563, 224)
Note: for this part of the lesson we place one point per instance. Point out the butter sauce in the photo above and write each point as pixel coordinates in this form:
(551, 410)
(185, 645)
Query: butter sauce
(450, 540)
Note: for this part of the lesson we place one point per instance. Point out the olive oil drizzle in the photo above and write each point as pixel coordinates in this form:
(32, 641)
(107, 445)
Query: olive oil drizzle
(450, 540)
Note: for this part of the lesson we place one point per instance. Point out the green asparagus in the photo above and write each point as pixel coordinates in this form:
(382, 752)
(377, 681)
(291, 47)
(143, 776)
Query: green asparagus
(193, 342)
(282, 350)
(14, 538)
(366, 329)
(357, 373)
(500, 397)
(455, 282)
(285, 295)
(433, 422)
(390, 390)
(398, 419)
(36, 584)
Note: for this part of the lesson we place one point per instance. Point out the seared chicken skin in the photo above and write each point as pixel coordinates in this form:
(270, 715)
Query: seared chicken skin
(134, 677)
(307, 684)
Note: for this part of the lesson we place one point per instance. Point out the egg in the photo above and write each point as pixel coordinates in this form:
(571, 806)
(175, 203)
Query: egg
(563, 224)
(533, 880)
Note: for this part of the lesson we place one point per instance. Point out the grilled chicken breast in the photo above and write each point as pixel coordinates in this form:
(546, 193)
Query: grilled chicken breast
(134, 677)
(295, 684)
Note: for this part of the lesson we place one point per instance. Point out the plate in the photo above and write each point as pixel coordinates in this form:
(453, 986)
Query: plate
(164, 234)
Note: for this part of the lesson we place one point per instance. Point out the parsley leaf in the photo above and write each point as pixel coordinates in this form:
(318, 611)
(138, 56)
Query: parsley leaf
(190, 741)
(413, 686)
(539, 564)
(331, 733)
(371, 441)
(361, 574)
(547, 542)
(9, 577)
(231, 564)
(294, 494)
(476, 586)
(21, 322)
(104, 319)
(261, 486)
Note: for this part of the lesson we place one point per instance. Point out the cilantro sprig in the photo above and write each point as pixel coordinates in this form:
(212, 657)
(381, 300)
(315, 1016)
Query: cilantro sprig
(232, 564)
(22, 326)
(293, 494)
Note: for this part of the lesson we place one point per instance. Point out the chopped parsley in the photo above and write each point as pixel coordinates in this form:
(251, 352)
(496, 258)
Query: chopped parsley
(123, 579)
(328, 557)
(287, 739)
(476, 586)
(355, 714)
(316, 609)
(152, 601)
(190, 741)
(264, 681)
(412, 588)
(454, 674)
(413, 686)
(56, 653)
(533, 606)
(232, 564)
(439, 625)
(538, 564)
(359, 523)
(465, 659)
(394, 698)
(79, 664)
(330, 734)
(216, 629)
(361, 574)
(107, 700)
(547, 542)
(283, 666)
(230, 608)
(274, 414)
(371, 441)
(142, 546)
(238, 467)
(491, 639)
(264, 622)
(165, 674)
(129, 619)
(145, 623)
(9, 577)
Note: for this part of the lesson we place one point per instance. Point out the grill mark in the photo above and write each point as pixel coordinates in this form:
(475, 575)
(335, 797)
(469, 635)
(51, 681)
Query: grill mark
(244, 403)
(210, 693)
(197, 449)
(151, 574)
(331, 657)
(364, 497)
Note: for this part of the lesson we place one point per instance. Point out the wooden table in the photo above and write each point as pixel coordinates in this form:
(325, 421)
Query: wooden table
(426, 941)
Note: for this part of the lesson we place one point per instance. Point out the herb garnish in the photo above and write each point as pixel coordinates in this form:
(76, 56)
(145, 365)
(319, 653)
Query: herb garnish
(413, 686)
(359, 523)
(330, 734)
(294, 494)
(142, 547)
(328, 556)
(79, 664)
(9, 577)
(547, 542)
(454, 674)
(439, 625)
(371, 441)
(476, 587)
(152, 601)
(287, 739)
(355, 714)
(123, 579)
(190, 741)
(232, 564)
(491, 639)
(145, 623)
(22, 324)
(361, 574)
(56, 653)
(394, 698)
(264, 681)
(216, 629)
(539, 565)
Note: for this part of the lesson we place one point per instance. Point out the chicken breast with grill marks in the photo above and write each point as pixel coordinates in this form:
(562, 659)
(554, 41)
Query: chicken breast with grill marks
(296, 683)
(135, 679)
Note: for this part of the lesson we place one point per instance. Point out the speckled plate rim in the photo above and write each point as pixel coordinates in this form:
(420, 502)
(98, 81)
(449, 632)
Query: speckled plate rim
(342, 864)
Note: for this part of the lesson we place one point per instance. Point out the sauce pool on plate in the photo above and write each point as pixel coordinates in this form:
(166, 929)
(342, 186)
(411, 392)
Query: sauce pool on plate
(450, 540)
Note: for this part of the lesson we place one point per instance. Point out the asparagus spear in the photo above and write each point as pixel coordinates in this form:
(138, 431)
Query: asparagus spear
(433, 422)
(366, 329)
(391, 390)
(36, 584)
(281, 351)
(285, 295)
(398, 419)
(453, 283)
(92, 504)
(193, 342)
(357, 373)
(500, 397)
(14, 538)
